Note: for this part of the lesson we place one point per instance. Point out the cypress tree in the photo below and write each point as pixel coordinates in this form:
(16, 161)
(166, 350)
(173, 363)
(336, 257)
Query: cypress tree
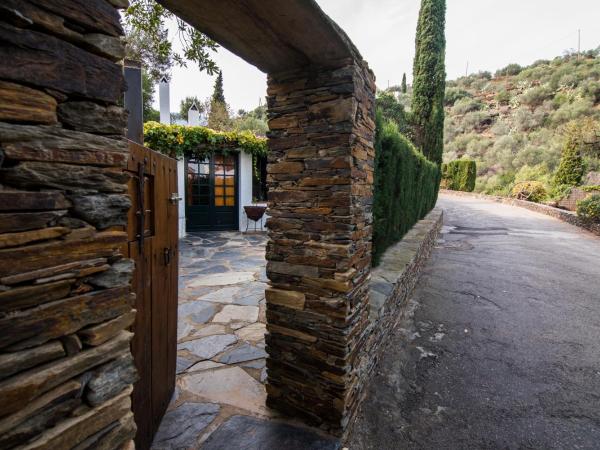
(572, 166)
(429, 80)
(403, 87)
(218, 94)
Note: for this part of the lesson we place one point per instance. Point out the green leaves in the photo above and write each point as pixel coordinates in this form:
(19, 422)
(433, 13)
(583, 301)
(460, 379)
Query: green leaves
(180, 140)
(148, 41)
(589, 208)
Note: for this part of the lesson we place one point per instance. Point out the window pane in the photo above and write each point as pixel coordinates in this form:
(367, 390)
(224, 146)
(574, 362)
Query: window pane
(204, 169)
(230, 181)
(219, 201)
(230, 191)
(219, 191)
(230, 201)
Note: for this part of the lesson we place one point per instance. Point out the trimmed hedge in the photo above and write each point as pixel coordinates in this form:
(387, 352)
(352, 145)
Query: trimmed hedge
(405, 186)
(459, 175)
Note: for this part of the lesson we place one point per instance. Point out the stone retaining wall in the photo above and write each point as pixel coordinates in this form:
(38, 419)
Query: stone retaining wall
(393, 281)
(561, 214)
(65, 365)
(570, 201)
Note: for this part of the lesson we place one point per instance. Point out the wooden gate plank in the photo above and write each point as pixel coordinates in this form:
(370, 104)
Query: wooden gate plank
(155, 282)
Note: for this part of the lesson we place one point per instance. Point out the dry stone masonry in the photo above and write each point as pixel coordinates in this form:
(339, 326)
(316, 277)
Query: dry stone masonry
(319, 252)
(66, 370)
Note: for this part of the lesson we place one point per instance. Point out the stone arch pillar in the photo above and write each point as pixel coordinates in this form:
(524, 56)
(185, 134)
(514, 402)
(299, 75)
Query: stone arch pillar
(320, 177)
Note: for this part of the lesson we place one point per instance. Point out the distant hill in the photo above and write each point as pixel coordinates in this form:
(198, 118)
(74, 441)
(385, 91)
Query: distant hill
(511, 122)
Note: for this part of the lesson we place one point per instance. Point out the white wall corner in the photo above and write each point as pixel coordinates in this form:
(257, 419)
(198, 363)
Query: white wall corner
(181, 191)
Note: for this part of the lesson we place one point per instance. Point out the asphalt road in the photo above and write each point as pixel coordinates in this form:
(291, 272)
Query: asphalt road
(502, 348)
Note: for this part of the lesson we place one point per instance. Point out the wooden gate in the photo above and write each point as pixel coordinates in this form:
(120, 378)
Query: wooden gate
(153, 245)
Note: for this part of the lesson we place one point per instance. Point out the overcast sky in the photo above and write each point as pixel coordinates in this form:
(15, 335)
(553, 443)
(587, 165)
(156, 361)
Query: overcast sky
(489, 34)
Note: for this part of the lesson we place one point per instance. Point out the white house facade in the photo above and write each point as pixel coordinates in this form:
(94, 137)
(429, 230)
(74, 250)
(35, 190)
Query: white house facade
(213, 191)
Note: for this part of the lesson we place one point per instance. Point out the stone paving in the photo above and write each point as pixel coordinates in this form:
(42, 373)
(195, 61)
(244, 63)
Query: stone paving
(221, 351)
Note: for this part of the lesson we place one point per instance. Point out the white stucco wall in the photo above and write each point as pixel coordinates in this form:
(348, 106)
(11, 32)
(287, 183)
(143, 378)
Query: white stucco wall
(246, 192)
(181, 191)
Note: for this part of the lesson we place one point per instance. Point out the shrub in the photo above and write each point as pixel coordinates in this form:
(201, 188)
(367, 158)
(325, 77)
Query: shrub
(465, 105)
(459, 175)
(533, 191)
(571, 168)
(393, 110)
(589, 208)
(405, 186)
(503, 97)
(453, 94)
(535, 96)
(511, 69)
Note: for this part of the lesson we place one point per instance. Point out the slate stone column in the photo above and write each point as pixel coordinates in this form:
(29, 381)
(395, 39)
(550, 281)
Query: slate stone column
(66, 369)
(320, 177)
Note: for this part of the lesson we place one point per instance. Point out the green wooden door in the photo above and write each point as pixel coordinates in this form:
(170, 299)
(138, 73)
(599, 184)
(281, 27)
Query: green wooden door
(212, 193)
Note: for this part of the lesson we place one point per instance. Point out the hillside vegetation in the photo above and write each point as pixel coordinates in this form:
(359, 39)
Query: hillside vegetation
(515, 122)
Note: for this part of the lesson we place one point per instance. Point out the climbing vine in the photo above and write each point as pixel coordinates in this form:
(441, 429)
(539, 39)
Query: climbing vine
(180, 140)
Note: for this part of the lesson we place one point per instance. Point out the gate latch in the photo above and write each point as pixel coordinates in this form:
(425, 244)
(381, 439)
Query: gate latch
(167, 255)
(174, 198)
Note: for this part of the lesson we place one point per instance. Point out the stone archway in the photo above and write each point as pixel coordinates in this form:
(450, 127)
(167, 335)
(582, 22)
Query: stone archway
(320, 173)
(64, 285)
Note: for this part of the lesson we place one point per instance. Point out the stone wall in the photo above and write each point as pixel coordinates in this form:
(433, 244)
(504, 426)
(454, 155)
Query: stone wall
(320, 177)
(65, 365)
(570, 201)
(393, 281)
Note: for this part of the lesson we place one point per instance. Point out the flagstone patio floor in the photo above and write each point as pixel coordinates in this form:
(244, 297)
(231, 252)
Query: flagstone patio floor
(221, 351)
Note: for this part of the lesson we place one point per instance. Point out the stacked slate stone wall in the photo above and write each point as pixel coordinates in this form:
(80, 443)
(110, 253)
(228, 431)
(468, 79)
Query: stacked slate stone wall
(65, 364)
(320, 177)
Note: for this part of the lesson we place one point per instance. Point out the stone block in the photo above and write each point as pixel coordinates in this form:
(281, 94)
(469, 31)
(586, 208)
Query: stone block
(288, 299)
(118, 275)
(67, 177)
(29, 296)
(56, 144)
(109, 379)
(57, 64)
(114, 436)
(111, 47)
(15, 362)
(292, 269)
(99, 334)
(26, 237)
(22, 104)
(52, 320)
(77, 429)
(13, 222)
(91, 117)
(72, 344)
(75, 269)
(26, 386)
(15, 200)
(30, 258)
